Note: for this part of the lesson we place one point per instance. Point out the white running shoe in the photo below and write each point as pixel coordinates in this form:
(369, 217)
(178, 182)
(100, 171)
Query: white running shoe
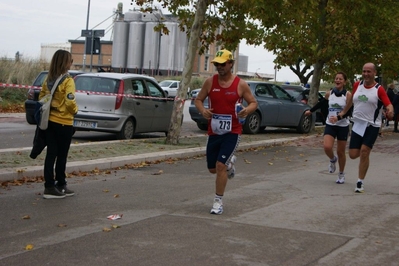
(231, 172)
(341, 178)
(217, 207)
(359, 187)
(332, 167)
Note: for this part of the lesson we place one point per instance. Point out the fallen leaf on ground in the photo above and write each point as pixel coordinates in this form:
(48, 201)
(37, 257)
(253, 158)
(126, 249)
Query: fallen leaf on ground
(160, 172)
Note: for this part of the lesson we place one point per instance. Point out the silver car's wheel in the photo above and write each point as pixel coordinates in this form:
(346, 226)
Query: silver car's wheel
(127, 131)
(252, 124)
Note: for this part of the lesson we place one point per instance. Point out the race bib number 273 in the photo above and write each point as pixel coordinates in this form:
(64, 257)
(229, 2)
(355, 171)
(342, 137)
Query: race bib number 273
(221, 124)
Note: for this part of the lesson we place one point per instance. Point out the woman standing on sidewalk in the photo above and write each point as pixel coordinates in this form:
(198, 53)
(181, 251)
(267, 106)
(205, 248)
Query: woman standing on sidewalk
(60, 126)
(336, 127)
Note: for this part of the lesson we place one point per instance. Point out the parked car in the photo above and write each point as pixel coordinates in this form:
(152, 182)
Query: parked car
(302, 94)
(276, 108)
(196, 116)
(194, 93)
(33, 95)
(170, 87)
(124, 104)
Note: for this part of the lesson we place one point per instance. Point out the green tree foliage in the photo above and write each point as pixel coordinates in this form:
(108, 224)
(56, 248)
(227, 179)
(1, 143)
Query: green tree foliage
(340, 34)
(330, 36)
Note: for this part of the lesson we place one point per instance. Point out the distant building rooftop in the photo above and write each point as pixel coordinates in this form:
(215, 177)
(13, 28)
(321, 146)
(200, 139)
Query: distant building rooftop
(255, 75)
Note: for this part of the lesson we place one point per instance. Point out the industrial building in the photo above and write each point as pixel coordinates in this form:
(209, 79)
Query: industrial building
(137, 48)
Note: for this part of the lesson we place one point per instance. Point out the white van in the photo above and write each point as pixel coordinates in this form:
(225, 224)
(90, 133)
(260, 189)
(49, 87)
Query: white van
(170, 87)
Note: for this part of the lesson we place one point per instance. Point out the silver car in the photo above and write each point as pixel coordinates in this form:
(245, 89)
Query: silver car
(124, 104)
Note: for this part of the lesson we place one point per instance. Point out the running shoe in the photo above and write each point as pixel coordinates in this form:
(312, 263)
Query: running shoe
(332, 167)
(217, 207)
(359, 187)
(341, 178)
(232, 170)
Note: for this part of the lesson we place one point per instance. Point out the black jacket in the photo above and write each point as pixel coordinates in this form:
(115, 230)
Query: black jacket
(395, 103)
(391, 95)
(39, 143)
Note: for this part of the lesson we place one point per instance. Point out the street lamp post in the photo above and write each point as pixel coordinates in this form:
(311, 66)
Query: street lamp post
(87, 27)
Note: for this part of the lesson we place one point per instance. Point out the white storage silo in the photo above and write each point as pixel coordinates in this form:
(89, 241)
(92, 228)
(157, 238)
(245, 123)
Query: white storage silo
(119, 45)
(156, 15)
(135, 50)
(151, 48)
(167, 49)
(133, 16)
(180, 50)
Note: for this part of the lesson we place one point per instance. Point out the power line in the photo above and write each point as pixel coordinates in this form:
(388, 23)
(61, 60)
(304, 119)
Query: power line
(110, 27)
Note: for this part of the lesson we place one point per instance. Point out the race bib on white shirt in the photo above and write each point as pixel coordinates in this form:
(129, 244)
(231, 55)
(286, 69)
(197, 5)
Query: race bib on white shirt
(221, 124)
(334, 111)
(359, 126)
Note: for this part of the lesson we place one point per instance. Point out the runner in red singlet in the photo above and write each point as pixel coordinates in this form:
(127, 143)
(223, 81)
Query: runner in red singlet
(224, 90)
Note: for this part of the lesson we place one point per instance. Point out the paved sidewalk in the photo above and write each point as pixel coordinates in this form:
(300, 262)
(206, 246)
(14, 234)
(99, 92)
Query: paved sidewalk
(282, 208)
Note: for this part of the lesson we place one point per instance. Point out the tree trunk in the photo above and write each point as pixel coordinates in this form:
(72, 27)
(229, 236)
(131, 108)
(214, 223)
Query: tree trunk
(315, 85)
(177, 115)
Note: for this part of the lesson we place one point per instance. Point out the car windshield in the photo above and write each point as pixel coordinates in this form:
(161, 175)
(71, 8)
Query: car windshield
(95, 84)
(40, 79)
(165, 83)
(293, 93)
(42, 76)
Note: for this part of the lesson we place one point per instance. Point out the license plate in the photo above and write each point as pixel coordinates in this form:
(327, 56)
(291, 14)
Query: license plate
(79, 123)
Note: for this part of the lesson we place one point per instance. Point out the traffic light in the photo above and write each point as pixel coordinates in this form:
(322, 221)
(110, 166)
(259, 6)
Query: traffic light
(96, 45)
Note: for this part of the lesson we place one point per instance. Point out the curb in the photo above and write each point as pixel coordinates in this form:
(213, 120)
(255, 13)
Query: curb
(9, 174)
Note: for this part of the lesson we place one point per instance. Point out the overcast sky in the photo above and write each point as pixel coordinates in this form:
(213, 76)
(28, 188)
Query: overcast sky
(26, 24)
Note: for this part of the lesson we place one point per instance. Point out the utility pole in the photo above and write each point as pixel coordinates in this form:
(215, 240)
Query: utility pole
(87, 28)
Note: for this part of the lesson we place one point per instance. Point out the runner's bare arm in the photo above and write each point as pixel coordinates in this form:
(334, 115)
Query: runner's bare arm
(245, 91)
(199, 100)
